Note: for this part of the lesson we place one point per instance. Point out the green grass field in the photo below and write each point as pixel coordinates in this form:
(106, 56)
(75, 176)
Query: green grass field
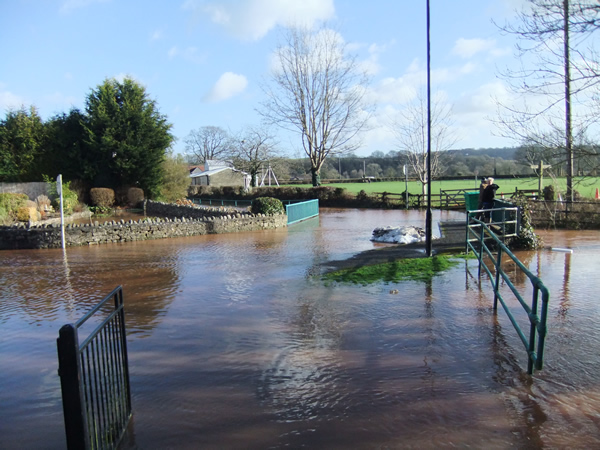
(585, 186)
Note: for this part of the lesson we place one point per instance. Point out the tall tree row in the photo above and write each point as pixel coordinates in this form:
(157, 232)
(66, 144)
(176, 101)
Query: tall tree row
(560, 72)
(120, 140)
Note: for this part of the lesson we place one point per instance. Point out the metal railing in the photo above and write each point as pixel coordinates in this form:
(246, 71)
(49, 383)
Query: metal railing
(478, 232)
(505, 219)
(222, 202)
(94, 376)
(301, 211)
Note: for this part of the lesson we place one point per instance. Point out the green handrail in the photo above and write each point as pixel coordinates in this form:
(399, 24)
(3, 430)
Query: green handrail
(297, 212)
(538, 328)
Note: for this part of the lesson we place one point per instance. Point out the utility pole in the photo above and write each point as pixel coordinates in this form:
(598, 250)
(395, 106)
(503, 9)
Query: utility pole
(568, 123)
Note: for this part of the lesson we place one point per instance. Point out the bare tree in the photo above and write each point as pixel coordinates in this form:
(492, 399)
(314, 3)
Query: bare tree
(559, 68)
(255, 148)
(318, 92)
(410, 130)
(207, 143)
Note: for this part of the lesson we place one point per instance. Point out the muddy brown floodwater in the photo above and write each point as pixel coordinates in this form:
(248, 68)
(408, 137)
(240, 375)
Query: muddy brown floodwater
(235, 342)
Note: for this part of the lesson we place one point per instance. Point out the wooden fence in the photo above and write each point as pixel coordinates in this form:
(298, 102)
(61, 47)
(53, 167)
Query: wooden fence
(561, 214)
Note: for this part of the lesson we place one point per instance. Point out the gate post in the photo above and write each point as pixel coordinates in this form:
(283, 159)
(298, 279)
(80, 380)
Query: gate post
(72, 390)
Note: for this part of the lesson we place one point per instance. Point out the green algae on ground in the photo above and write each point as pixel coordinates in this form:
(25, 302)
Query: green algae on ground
(416, 269)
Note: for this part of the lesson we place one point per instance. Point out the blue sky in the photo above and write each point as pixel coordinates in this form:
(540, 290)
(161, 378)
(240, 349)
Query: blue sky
(204, 61)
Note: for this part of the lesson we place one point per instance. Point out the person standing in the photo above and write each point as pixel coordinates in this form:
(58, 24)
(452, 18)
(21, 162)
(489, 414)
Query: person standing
(482, 186)
(487, 197)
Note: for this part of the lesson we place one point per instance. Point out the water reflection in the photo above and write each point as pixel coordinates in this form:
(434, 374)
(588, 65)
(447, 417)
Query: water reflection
(234, 345)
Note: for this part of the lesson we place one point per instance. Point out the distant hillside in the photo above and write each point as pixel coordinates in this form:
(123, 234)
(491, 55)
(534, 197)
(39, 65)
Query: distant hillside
(504, 153)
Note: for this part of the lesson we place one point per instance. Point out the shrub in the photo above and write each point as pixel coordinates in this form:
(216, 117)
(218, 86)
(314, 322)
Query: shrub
(70, 198)
(362, 195)
(5, 218)
(12, 202)
(267, 205)
(102, 197)
(205, 191)
(527, 238)
(233, 191)
(135, 196)
(28, 212)
(549, 194)
(339, 193)
(121, 195)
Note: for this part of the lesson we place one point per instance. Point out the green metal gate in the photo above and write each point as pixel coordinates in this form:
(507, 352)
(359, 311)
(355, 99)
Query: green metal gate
(94, 377)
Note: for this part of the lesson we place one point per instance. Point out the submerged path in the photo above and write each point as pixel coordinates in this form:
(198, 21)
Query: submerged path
(452, 240)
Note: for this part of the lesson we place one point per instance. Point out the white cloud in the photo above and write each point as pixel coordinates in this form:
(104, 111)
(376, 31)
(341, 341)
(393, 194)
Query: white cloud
(467, 48)
(400, 90)
(228, 85)
(371, 65)
(9, 101)
(157, 35)
(253, 19)
(71, 5)
(190, 54)
(58, 100)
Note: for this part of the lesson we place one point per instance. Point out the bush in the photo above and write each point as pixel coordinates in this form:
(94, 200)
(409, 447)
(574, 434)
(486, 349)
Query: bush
(232, 191)
(102, 197)
(70, 198)
(267, 205)
(362, 195)
(10, 203)
(28, 212)
(527, 238)
(135, 196)
(339, 193)
(549, 194)
(5, 218)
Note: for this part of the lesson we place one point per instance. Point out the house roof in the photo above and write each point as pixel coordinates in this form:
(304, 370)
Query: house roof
(214, 171)
(208, 172)
(217, 163)
(196, 168)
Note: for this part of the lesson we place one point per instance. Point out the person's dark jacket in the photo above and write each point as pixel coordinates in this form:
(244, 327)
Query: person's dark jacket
(489, 193)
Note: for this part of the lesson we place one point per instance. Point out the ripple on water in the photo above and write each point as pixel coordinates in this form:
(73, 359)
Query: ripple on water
(231, 344)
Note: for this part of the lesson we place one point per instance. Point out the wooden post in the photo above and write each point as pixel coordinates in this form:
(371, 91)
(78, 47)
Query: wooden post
(540, 167)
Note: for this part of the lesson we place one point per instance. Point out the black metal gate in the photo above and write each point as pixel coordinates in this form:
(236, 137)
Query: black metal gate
(94, 377)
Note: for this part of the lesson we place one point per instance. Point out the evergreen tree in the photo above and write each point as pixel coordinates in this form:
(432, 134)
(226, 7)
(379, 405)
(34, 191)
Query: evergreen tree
(21, 143)
(64, 149)
(126, 136)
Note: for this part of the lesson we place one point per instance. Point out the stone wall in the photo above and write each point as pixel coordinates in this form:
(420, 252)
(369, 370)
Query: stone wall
(152, 208)
(32, 190)
(49, 236)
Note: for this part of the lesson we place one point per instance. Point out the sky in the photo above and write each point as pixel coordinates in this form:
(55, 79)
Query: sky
(204, 62)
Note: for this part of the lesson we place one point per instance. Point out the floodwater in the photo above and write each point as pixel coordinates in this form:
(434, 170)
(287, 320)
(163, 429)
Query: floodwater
(234, 342)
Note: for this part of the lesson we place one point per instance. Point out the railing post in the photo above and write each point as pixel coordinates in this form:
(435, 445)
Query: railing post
(532, 329)
(542, 330)
(498, 270)
(481, 241)
(121, 321)
(69, 371)
(468, 234)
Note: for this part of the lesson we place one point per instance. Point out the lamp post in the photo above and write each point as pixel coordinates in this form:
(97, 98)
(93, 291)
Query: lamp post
(428, 215)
